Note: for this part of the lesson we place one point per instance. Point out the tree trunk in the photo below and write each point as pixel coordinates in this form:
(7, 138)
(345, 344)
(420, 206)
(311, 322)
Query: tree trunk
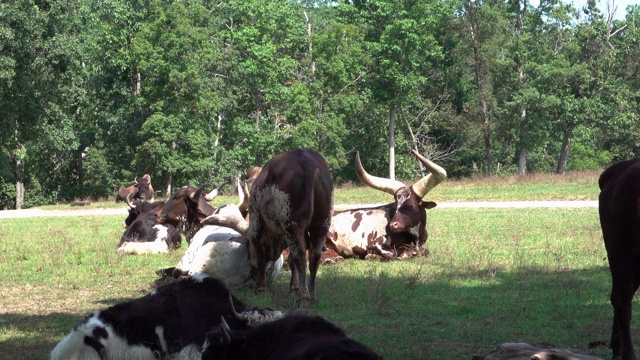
(522, 151)
(81, 154)
(564, 150)
(20, 178)
(309, 35)
(167, 193)
(479, 75)
(392, 151)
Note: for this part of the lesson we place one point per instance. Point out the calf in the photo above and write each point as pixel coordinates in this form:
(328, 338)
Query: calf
(171, 322)
(619, 208)
(294, 337)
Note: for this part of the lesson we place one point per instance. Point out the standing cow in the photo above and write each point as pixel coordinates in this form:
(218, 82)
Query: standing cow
(290, 206)
(387, 232)
(619, 208)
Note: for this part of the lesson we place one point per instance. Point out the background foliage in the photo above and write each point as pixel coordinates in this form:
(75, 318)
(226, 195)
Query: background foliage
(94, 93)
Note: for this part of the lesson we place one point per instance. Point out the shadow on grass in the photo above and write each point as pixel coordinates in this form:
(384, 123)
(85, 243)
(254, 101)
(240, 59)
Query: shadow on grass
(409, 311)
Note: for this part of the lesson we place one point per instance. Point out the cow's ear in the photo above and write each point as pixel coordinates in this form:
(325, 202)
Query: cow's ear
(429, 204)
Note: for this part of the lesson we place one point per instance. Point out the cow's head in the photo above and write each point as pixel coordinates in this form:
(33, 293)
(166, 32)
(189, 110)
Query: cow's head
(186, 208)
(137, 207)
(251, 174)
(145, 190)
(409, 208)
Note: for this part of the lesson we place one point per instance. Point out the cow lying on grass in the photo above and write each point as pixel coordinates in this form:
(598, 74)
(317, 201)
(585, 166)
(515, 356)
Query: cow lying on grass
(294, 337)
(171, 322)
(143, 234)
(522, 351)
(219, 251)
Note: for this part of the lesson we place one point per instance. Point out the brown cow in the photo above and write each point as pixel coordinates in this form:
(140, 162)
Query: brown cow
(186, 208)
(387, 232)
(290, 206)
(141, 189)
(251, 174)
(619, 208)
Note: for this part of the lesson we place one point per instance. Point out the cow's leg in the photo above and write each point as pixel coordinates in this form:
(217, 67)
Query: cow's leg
(624, 283)
(624, 286)
(315, 253)
(298, 262)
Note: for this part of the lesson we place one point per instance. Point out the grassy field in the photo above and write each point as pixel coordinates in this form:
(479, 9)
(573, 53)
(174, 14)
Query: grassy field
(493, 276)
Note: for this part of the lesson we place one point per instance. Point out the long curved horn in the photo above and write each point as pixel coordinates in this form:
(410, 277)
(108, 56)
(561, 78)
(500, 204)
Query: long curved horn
(235, 222)
(131, 204)
(135, 180)
(436, 176)
(244, 204)
(212, 195)
(241, 317)
(378, 183)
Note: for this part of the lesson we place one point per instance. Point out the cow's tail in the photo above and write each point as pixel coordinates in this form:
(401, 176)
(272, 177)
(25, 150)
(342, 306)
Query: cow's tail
(312, 201)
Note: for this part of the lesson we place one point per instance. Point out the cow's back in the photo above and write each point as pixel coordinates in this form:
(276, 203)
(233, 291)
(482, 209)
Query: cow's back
(295, 184)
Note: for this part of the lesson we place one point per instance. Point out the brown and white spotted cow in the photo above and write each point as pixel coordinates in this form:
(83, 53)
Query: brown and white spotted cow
(391, 231)
(290, 206)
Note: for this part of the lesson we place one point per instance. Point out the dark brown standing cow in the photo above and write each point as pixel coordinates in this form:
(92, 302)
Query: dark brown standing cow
(141, 189)
(619, 208)
(290, 206)
(387, 232)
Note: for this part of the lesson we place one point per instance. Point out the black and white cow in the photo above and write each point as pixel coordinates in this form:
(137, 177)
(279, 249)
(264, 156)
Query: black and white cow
(144, 235)
(294, 337)
(171, 322)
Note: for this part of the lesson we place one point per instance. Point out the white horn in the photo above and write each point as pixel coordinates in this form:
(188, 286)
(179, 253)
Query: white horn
(378, 183)
(436, 176)
(212, 195)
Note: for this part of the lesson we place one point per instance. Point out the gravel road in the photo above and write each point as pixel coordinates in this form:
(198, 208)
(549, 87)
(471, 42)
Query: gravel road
(10, 214)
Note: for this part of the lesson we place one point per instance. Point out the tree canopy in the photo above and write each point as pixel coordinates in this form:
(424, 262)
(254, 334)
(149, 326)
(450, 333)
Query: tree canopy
(97, 93)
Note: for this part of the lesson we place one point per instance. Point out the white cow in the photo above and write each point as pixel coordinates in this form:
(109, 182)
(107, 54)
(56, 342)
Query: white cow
(221, 252)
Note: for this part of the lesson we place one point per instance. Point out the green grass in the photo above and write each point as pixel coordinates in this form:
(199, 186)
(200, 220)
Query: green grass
(493, 276)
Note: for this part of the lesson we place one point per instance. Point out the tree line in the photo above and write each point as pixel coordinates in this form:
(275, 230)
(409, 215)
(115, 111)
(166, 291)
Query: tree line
(97, 92)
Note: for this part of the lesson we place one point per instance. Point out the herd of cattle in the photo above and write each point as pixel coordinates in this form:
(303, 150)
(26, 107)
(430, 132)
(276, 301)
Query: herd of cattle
(287, 207)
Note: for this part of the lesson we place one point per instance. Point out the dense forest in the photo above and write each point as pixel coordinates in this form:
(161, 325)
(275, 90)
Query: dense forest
(97, 92)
